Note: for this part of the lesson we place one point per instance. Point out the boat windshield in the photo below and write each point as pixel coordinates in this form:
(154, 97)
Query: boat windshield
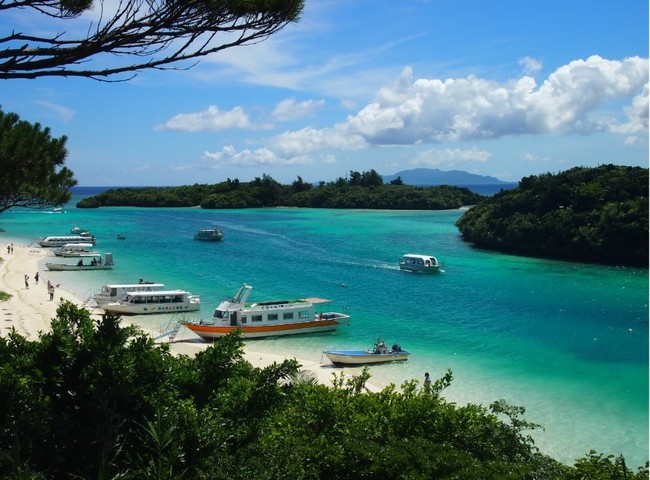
(220, 313)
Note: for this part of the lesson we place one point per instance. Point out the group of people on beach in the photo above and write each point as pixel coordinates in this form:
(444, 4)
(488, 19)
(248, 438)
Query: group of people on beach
(50, 286)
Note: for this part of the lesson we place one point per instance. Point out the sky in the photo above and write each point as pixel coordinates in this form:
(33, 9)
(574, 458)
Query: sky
(504, 88)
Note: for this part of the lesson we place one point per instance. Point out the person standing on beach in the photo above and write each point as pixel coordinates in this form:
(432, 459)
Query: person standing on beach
(26, 281)
(36, 278)
(50, 290)
(427, 382)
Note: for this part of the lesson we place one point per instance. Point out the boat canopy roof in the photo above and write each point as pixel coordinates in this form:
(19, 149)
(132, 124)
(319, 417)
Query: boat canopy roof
(134, 285)
(76, 246)
(157, 293)
(417, 255)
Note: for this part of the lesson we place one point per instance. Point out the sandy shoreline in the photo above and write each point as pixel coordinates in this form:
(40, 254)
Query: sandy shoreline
(29, 310)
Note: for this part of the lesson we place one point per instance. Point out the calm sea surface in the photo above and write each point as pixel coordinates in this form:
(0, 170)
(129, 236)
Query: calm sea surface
(568, 341)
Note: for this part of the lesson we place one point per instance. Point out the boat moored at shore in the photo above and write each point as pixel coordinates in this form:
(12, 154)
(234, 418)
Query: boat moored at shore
(87, 261)
(379, 353)
(60, 240)
(414, 262)
(115, 292)
(266, 319)
(73, 249)
(152, 302)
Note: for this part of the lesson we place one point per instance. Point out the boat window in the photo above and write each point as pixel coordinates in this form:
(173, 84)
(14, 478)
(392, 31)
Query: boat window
(256, 318)
(272, 316)
(220, 314)
(287, 316)
(303, 314)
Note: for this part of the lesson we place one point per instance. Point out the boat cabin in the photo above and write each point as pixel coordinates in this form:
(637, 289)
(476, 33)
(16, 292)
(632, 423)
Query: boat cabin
(112, 293)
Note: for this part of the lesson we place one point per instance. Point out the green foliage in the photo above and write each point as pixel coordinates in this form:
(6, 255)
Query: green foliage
(585, 214)
(32, 174)
(362, 190)
(93, 399)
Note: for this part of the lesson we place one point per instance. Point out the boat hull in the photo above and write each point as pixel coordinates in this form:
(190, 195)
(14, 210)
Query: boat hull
(60, 267)
(364, 357)
(210, 331)
(420, 269)
(150, 309)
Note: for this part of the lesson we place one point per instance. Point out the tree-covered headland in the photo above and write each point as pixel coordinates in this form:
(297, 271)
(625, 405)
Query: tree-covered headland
(358, 190)
(94, 399)
(595, 215)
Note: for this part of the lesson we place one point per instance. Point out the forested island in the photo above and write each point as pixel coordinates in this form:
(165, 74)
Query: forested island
(359, 190)
(95, 399)
(597, 215)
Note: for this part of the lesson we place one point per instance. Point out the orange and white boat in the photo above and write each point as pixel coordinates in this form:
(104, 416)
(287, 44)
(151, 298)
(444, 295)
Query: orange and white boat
(266, 319)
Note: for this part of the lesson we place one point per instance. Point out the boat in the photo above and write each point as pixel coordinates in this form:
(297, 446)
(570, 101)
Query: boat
(208, 234)
(121, 237)
(73, 249)
(87, 261)
(114, 292)
(379, 353)
(150, 302)
(60, 240)
(266, 319)
(79, 231)
(419, 263)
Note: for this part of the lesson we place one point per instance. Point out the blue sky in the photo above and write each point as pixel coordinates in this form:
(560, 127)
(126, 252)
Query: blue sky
(505, 88)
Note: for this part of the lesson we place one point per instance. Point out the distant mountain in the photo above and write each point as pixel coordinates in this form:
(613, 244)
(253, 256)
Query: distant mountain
(425, 177)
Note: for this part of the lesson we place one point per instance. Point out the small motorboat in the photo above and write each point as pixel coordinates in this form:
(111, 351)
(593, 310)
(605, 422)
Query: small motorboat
(379, 353)
(121, 237)
(87, 261)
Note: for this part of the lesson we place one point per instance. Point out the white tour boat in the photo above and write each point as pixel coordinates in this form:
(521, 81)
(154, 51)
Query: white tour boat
(73, 249)
(60, 240)
(114, 292)
(208, 235)
(87, 261)
(419, 263)
(159, 301)
(266, 319)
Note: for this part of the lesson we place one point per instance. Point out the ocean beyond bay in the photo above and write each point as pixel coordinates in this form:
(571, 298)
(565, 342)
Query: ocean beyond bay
(567, 341)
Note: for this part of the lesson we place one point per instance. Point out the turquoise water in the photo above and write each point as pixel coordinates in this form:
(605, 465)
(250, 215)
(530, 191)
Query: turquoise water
(567, 341)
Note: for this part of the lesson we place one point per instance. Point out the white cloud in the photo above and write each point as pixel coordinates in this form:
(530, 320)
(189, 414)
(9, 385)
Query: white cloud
(211, 119)
(289, 109)
(636, 121)
(531, 65)
(229, 156)
(584, 96)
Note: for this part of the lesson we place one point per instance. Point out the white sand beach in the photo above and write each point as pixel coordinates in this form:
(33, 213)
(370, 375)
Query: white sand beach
(29, 310)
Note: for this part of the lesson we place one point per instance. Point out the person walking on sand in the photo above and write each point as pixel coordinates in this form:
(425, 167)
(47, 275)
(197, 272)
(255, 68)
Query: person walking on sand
(36, 278)
(26, 281)
(50, 290)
